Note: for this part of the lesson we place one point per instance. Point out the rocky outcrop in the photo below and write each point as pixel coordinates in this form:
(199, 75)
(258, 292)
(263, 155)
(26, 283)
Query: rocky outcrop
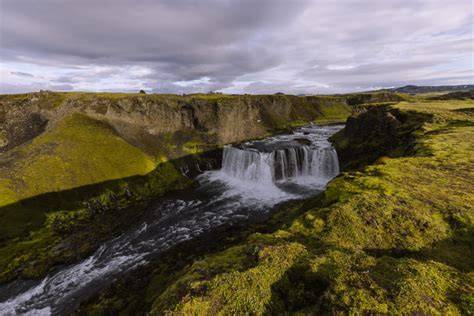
(362, 98)
(22, 128)
(377, 131)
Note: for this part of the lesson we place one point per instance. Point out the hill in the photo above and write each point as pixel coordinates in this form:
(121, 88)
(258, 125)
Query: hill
(412, 89)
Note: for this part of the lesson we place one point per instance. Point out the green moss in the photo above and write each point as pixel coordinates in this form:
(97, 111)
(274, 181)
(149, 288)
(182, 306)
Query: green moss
(79, 151)
(248, 291)
(334, 113)
(415, 287)
(194, 147)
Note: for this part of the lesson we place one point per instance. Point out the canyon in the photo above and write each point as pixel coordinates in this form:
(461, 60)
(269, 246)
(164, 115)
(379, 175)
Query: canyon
(237, 203)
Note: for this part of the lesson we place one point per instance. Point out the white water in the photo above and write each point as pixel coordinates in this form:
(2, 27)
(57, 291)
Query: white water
(279, 168)
(262, 168)
(254, 177)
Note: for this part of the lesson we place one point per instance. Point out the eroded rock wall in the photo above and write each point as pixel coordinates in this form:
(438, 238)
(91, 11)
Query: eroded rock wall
(227, 118)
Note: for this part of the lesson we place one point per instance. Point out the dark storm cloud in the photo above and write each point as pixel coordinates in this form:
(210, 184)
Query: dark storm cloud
(298, 46)
(185, 39)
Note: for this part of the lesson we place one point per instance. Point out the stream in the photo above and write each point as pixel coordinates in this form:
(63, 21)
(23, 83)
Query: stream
(255, 177)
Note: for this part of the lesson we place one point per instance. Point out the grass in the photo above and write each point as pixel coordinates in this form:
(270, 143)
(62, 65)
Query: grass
(336, 113)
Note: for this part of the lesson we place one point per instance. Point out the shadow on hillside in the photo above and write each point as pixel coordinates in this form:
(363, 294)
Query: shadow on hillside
(297, 290)
(456, 252)
(19, 218)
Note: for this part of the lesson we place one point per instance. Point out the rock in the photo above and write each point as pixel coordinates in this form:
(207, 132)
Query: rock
(303, 141)
(378, 131)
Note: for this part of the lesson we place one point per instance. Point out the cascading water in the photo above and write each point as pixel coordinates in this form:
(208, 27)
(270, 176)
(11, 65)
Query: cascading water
(254, 177)
(281, 167)
(247, 165)
(281, 164)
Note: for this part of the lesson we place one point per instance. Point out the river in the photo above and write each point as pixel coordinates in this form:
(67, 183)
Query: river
(254, 178)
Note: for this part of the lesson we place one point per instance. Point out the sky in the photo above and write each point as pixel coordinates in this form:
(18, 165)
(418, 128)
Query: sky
(234, 46)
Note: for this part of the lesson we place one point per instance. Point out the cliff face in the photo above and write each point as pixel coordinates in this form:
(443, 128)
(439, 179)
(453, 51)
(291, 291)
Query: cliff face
(225, 118)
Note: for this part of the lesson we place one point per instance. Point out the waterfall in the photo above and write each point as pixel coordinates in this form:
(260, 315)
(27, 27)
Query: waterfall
(248, 164)
(278, 168)
(324, 163)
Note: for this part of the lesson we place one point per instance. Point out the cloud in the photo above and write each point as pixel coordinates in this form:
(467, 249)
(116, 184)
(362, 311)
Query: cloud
(256, 46)
(22, 74)
(23, 88)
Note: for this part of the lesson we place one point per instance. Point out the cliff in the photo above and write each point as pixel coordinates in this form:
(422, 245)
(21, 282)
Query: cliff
(222, 118)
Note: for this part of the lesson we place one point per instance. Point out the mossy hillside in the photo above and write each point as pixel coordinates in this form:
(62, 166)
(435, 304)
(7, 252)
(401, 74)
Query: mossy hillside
(68, 225)
(334, 114)
(69, 189)
(395, 237)
(250, 290)
(78, 151)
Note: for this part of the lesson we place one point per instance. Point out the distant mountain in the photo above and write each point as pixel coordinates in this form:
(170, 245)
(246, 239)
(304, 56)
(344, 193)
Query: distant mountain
(411, 89)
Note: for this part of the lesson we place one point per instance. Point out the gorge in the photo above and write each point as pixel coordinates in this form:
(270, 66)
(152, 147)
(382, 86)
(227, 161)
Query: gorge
(254, 177)
(235, 204)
